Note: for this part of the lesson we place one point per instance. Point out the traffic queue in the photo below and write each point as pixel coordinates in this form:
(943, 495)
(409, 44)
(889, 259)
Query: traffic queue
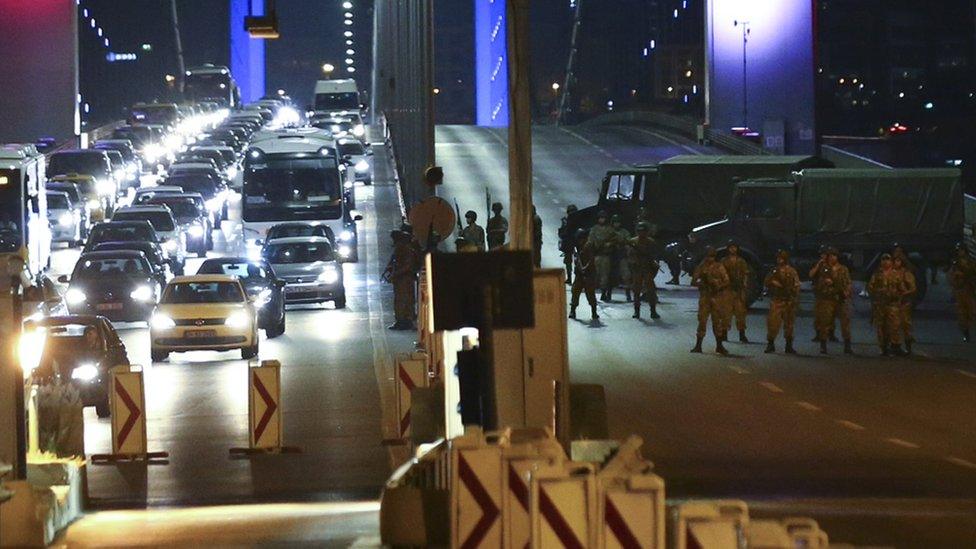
(156, 192)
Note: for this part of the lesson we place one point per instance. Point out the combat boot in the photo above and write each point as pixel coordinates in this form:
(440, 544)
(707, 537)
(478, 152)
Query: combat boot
(848, 350)
(636, 310)
(719, 348)
(833, 336)
(770, 347)
(627, 296)
(609, 295)
(697, 348)
(823, 346)
(742, 337)
(897, 350)
(603, 296)
(572, 312)
(789, 347)
(654, 314)
(593, 313)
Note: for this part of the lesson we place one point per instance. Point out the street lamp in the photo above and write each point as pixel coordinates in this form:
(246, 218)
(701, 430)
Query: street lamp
(746, 31)
(328, 68)
(555, 87)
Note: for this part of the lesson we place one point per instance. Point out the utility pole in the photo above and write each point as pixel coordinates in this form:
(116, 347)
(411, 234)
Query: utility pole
(181, 75)
(745, 82)
(565, 100)
(519, 125)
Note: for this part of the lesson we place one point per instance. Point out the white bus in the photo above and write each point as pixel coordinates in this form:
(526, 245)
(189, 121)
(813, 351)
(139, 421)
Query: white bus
(337, 95)
(24, 229)
(295, 175)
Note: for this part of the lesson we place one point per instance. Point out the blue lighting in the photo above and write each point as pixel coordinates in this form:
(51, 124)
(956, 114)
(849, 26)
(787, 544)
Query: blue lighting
(247, 63)
(491, 63)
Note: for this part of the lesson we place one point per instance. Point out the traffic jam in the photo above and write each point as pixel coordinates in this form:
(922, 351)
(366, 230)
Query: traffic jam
(203, 221)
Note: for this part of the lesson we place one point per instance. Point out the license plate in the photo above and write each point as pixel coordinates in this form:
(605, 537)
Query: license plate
(194, 334)
(108, 307)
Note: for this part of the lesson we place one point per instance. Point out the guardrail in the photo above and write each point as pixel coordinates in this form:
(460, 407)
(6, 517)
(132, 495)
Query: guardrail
(680, 125)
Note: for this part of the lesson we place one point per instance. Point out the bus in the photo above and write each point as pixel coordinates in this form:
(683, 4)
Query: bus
(211, 83)
(295, 175)
(24, 229)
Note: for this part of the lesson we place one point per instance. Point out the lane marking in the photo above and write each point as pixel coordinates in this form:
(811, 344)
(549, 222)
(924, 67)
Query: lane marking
(770, 386)
(738, 370)
(967, 374)
(665, 138)
(808, 406)
(851, 425)
(903, 443)
(961, 462)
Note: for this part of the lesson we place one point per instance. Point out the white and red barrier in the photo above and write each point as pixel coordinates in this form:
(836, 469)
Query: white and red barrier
(127, 398)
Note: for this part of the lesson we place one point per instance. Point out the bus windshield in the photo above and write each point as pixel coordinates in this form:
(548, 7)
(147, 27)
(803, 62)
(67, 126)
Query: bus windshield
(290, 188)
(11, 213)
(337, 101)
(201, 86)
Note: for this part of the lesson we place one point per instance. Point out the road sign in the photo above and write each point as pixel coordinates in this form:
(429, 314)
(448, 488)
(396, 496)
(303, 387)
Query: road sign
(476, 490)
(411, 373)
(264, 411)
(127, 397)
(633, 515)
(562, 507)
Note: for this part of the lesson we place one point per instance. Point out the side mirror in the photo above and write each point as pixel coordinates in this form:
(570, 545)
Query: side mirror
(279, 284)
(64, 279)
(357, 217)
(369, 152)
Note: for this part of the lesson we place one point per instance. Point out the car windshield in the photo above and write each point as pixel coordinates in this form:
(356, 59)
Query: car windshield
(69, 189)
(183, 209)
(160, 220)
(333, 101)
(143, 247)
(138, 135)
(194, 183)
(57, 202)
(203, 292)
(286, 231)
(354, 148)
(100, 267)
(62, 341)
(91, 163)
(240, 269)
(301, 252)
(122, 233)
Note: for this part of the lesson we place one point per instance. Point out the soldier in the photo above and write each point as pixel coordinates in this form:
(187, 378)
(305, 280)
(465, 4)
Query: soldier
(962, 277)
(712, 282)
(405, 264)
(602, 237)
(643, 268)
(832, 290)
(585, 280)
(497, 227)
(815, 271)
(620, 260)
(739, 274)
(536, 239)
(566, 245)
(473, 233)
(783, 285)
(885, 288)
(906, 306)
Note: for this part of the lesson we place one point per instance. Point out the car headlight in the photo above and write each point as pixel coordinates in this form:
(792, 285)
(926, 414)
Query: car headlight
(74, 296)
(196, 231)
(105, 187)
(263, 298)
(119, 174)
(240, 319)
(159, 321)
(359, 130)
(66, 218)
(329, 276)
(132, 170)
(362, 166)
(94, 204)
(85, 372)
(30, 348)
(345, 251)
(171, 245)
(142, 293)
(232, 172)
(214, 204)
(346, 235)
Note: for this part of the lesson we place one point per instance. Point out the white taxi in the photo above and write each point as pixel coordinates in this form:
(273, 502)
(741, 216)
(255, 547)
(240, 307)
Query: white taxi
(203, 313)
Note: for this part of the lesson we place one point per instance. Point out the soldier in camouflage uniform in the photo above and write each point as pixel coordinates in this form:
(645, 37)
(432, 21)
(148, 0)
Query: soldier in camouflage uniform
(885, 288)
(712, 282)
(962, 277)
(602, 237)
(739, 275)
(783, 285)
(473, 233)
(832, 290)
(585, 280)
(497, 227)
(567, 243)
(643, 268)
(621, 264)
(906, 305)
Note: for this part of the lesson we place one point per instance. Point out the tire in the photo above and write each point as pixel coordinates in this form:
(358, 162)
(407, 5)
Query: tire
(102, 408)
(340, 302)
(225, 212)
(247, 353)
(159, 356)
(276, 330)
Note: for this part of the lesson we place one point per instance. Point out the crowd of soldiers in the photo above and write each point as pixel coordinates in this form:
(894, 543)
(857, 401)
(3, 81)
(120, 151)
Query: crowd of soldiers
(472, 237)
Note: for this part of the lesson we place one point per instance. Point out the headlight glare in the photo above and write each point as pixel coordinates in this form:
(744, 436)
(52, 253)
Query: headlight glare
(85, 372)
(160, 321)
(345, 251)
(346, 235)
(329, 276)
(142, 293)
(74, 296)
(362, 166)
(196, 231)
(66, 218)
(240, 319)
(105, 187)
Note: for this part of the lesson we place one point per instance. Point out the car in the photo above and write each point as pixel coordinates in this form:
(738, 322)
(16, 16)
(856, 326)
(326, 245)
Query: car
(310, 269)
(146, 194)
(230, 159)
(358, 157)
(92, 162)
(168, 231)
(261, 284)
(151, 251)
(124, 231)
(204, 313)
(78, 202)
(127, 150)
(123, 180)
(97, 205)
(64, 218)
(77, 349)
(193, 218)
(120, 285)
(207, 185)
(43, 299)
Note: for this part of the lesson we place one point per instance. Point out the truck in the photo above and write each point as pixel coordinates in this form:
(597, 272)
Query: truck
(681, 193)
(862, 213)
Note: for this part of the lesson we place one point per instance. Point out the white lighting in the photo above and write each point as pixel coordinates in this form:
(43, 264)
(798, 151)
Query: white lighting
(347, 34)
(350, 52)
(347, 5)
(74, 296)
(161, 322)
(240, 319)
(85, 372)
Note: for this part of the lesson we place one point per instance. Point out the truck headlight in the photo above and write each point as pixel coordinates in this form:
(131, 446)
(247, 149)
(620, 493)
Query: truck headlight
(362, 166)
(160, 321)
(94, 204)
(30, 348)
(214, 204)
(238, 320)
(85, 372)
(232, 172)
(142, 293)
(359, 130)
(329, 276)
(346, 235)
(66, 218)
(171, 245)
(74, 296)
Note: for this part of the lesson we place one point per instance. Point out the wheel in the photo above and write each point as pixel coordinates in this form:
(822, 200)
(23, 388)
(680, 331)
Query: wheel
(225, 212)
(158, 355)
(368, 181)
(340, 302)
(248, 353)
(102, 408)
(276, 330)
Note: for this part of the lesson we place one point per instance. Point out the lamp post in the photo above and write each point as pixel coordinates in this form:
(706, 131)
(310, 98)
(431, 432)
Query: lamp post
(746, 31)
(328, 69)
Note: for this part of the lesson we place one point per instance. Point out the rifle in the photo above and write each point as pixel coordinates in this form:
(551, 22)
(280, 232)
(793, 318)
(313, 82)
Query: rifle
(487, 205)
(458, 210)
(388, 272)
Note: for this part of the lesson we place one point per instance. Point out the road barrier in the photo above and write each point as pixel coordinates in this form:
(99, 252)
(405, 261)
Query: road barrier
(411, 373)
(631, 500)
(563, 506)
(127, 399)
(264, 411)
(717, 524)
(806, 533)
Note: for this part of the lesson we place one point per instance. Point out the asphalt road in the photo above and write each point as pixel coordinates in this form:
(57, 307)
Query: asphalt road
(880, 450)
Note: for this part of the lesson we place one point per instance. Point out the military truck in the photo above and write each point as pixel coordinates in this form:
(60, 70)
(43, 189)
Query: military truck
(682, 192)
(862, 213)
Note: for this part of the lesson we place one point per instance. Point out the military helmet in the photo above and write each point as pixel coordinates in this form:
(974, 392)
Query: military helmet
(571, 208)
(710, 251)
(407, 228)
(615, 218)
(643, 227)
(471, 214)
(783, 254)
(731, 242)
(886, 257)
(832, 251)
(601, 214)
(582, 233)
(496, 207)
(823, 249)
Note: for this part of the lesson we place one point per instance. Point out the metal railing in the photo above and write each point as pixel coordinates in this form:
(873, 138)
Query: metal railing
(683, 126)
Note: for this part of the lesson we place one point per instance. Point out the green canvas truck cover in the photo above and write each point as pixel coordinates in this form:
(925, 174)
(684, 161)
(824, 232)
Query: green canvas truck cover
(693, 189)
(853, 204)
